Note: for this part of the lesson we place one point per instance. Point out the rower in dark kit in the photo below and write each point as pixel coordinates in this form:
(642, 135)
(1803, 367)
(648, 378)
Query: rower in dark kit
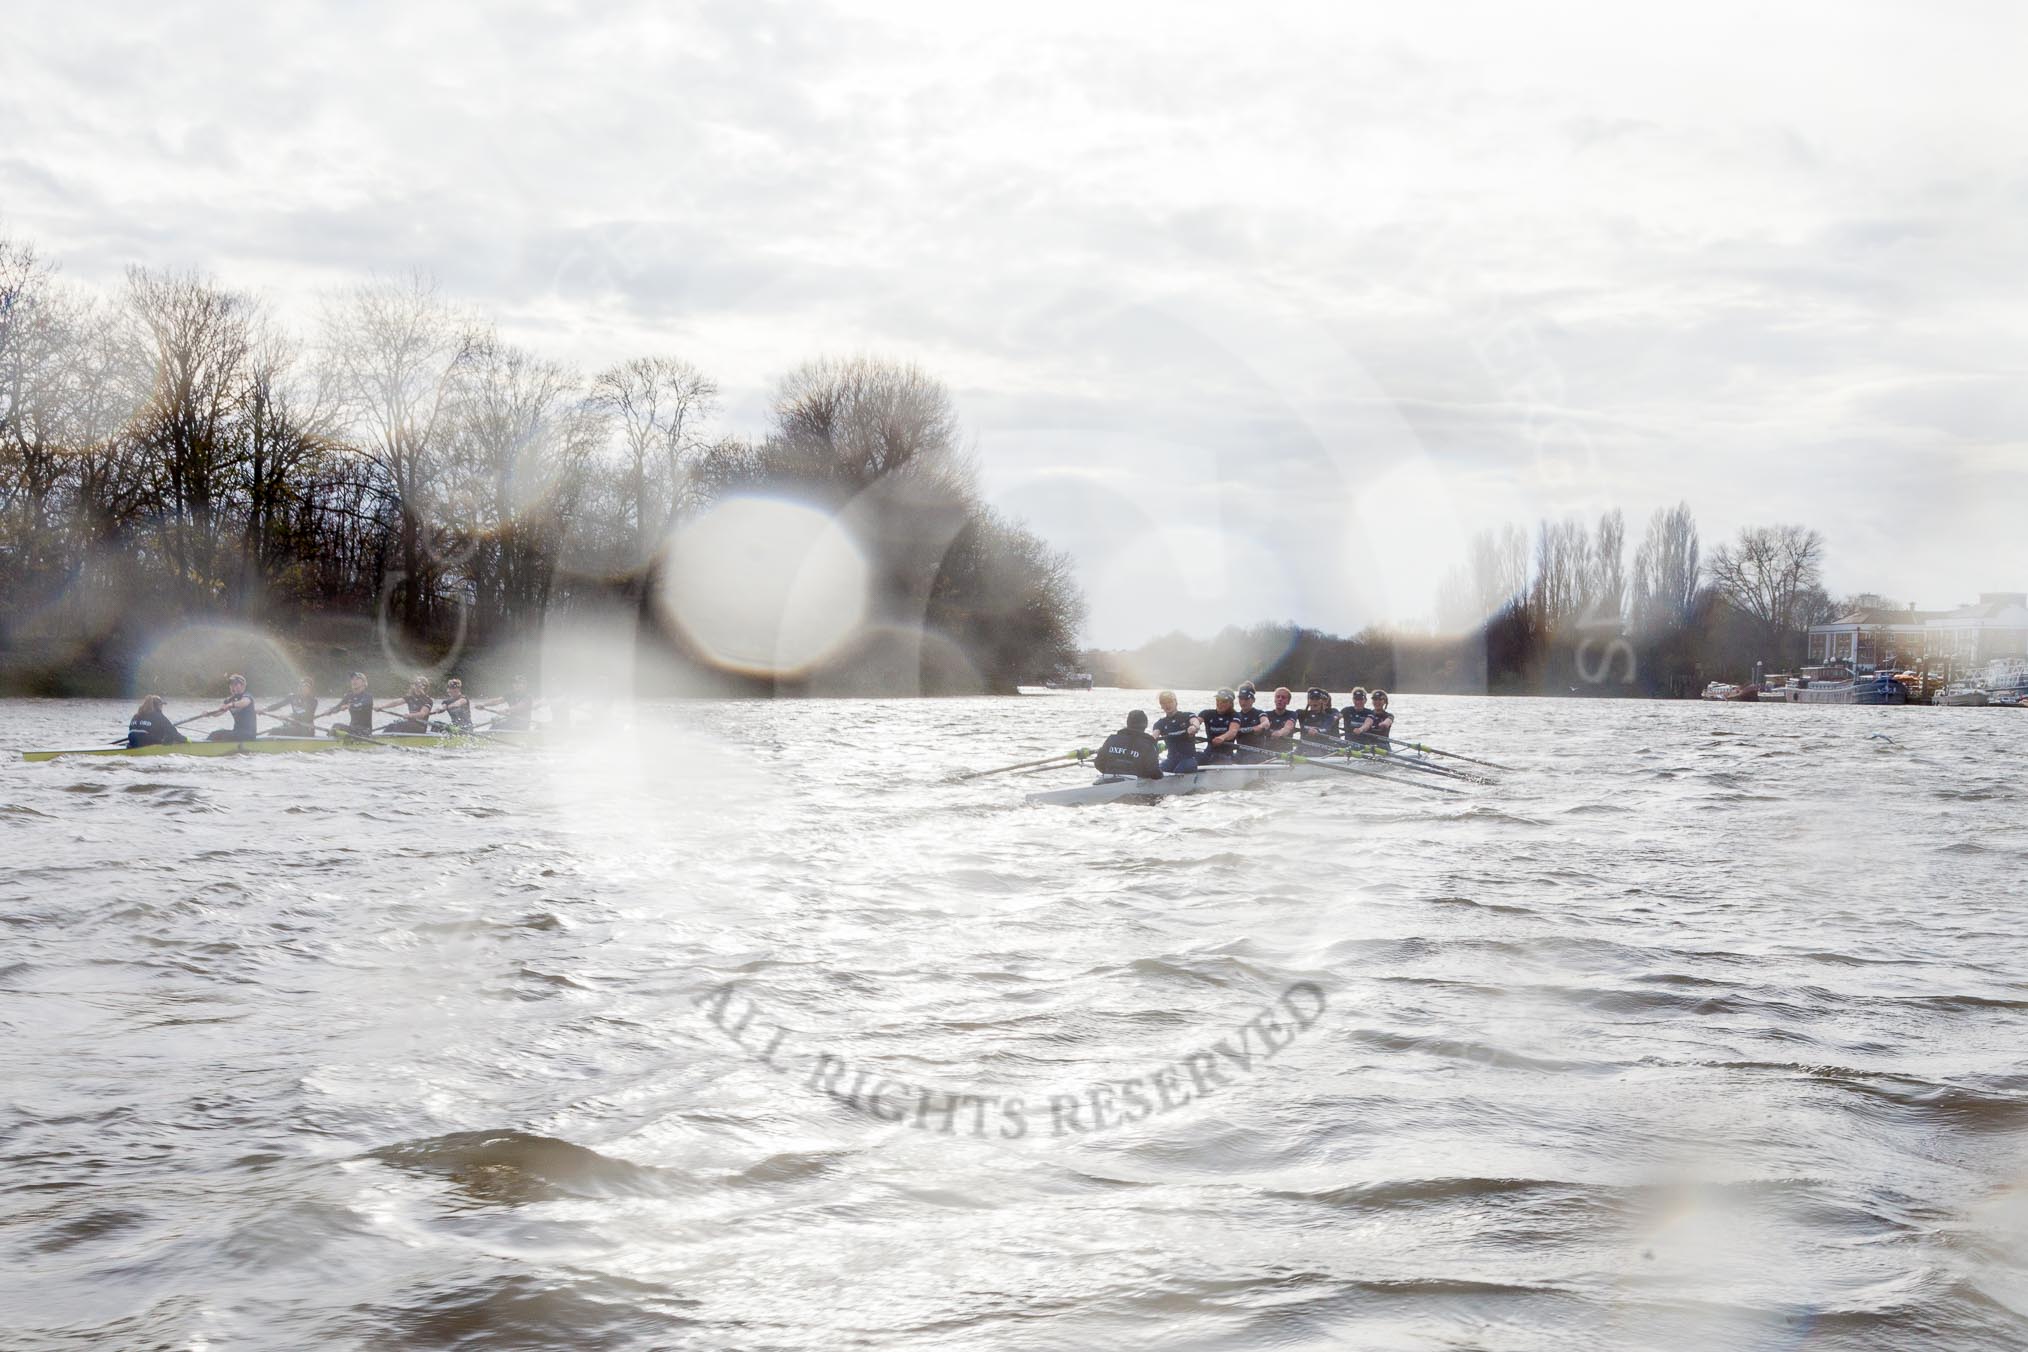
(417, 705)
(519, 715)
(1354, 720)
(455, 706)
(151, 726)
(1178, 731)
(1220, 727)
(1283, 723)
(1318, 719)
(302, 707)
(1130, 751)
(245, 717)
(1252, 724)
(1380, 728)
(358, 707)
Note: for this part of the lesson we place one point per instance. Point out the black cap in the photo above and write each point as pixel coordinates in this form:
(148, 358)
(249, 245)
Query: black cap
(1319, 692)
(1136, 721)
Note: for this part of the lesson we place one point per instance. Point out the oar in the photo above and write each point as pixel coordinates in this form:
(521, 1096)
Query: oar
(309, 728)
(469, 731)
(1293, 759)
(341, 711)
(1418, 765)
(1067, 758)
(1437, 751)
(1374, 753)
(346, 734)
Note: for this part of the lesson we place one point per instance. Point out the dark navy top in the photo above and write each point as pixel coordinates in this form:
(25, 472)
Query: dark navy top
(152, 732)
(1174, 729)
(1216, 723)
(245, 720)
(359, 706)
(1252, 726)
(1129, 753)
(1277, 720)
(1322, 723)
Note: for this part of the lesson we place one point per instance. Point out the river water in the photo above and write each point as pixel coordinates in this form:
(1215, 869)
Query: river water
(733, 1026)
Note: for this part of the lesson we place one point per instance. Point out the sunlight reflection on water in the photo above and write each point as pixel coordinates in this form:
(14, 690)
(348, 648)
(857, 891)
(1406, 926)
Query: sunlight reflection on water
(1700, 1029)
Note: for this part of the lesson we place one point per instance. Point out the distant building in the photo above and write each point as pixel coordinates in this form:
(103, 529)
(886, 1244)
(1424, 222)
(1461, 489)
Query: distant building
(1880, 635)
(1872, 636)
(1972, 636)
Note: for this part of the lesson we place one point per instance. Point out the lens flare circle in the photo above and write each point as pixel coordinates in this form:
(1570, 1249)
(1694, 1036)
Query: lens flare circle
(763, 586)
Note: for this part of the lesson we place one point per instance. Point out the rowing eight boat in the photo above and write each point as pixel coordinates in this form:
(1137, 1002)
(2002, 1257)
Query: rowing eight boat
(1210, 779)
(275, 745)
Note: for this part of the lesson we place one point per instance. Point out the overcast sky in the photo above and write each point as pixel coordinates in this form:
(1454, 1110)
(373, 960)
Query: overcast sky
(1259, 315)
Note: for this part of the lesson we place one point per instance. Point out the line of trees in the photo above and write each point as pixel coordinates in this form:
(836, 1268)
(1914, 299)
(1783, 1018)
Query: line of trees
(171, 452)
(1561, 612)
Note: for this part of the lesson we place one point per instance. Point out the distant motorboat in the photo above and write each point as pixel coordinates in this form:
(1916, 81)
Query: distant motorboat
(1961, 696)
(1732, 694)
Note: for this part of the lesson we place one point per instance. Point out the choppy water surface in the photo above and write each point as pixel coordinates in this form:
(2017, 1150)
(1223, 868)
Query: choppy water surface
(738, 1029)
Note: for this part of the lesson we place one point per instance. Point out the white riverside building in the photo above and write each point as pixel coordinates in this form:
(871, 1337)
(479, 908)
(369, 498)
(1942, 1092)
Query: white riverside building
(1949, 642)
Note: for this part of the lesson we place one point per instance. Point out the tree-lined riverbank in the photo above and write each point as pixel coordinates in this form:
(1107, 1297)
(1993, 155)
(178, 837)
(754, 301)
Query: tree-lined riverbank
(172, 454)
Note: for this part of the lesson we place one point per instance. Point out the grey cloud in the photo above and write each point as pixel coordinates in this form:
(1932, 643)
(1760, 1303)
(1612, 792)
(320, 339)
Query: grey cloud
(1273, 256)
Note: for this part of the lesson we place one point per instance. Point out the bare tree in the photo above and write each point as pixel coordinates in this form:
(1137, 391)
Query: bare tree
(1562, 571)
(1606, 587)
(1667, 570)
(201, 336)
(24, 279)
(173, 447)
(523, 438)
(860, 420)
(398, 350)
(288, 429)
(1493, 577)
(1775, 575)
(37, 337)
(660, 406)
